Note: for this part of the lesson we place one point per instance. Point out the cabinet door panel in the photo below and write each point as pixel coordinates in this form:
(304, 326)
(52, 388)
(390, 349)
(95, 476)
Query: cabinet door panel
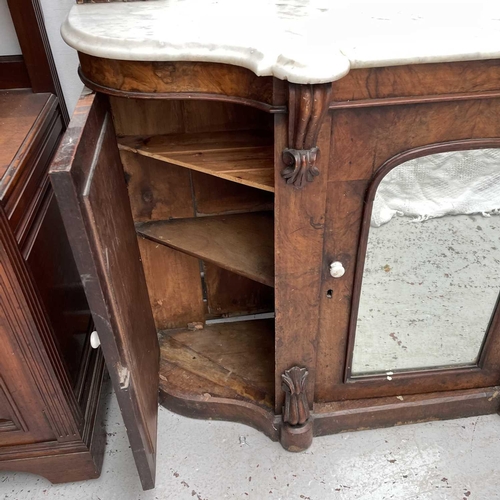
(89, 183)
(379, 139)
(22, 419)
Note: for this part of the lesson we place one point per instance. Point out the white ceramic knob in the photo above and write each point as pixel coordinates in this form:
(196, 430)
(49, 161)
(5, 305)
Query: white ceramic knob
(94, 340)
(337, 269)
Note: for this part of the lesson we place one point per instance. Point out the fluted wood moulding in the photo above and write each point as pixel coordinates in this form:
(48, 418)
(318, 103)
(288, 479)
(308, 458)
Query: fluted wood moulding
(307, 108)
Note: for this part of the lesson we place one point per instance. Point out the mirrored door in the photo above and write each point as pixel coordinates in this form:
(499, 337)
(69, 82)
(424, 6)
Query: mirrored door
(430, 279)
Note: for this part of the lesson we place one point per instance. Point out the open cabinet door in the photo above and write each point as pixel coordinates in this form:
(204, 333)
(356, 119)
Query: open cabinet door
(89, 184)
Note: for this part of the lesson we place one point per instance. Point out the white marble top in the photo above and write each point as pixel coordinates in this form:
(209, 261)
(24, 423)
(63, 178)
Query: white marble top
(303, 41)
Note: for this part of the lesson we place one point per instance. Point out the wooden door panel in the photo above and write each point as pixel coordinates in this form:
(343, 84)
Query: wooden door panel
(89, 183)
(36, 404)
(366, 140)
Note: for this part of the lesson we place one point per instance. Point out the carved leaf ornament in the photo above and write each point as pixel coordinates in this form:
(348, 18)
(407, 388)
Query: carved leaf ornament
(307, 108)
(296, 409)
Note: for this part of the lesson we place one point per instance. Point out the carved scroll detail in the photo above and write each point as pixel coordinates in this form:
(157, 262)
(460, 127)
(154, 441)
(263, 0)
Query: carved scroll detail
(307, 108)
(296, 409)
(301, 166)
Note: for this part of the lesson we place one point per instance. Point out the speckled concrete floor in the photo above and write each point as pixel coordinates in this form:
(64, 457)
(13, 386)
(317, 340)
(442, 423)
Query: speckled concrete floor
(200, 460)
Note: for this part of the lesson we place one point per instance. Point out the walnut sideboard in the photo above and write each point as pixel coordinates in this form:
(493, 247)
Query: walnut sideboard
(216, 186)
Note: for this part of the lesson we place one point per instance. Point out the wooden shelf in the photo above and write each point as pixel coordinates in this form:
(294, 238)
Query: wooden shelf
(245, 157)
(225, 360)
(241, 243)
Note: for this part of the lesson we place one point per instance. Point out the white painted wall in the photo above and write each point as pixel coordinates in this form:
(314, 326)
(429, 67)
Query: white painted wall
(54, 13)
(66, 59)
(9, 45)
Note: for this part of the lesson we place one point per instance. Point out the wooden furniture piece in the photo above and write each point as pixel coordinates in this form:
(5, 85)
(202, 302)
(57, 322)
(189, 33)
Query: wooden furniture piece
(187, 260)
(50, 378)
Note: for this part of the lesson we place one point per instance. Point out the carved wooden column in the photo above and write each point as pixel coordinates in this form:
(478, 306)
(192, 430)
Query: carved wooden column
(307, 108)
(297, 429)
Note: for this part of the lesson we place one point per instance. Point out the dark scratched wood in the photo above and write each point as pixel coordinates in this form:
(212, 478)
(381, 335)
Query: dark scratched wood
(50, 379)
(227, 359)
(87, 182)
(50, 407)
(370, 413)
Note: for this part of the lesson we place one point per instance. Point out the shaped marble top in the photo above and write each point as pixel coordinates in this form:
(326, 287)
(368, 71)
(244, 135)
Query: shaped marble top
(303, 41)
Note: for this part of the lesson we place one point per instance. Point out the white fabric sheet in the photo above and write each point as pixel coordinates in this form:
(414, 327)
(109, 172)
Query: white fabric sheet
(452, 183)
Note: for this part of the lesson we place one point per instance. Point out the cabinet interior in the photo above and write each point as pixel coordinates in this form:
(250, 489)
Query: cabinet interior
(200, 177)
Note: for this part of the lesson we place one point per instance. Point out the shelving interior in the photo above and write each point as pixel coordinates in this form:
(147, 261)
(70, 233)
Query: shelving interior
(241, 243)
(225, 360)
(246, 157)
(200, 180)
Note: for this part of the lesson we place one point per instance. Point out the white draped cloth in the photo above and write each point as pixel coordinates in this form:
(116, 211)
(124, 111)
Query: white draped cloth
(452, 183)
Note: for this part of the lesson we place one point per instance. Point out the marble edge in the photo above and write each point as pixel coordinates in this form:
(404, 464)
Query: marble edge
(297, 67)
(288, 60)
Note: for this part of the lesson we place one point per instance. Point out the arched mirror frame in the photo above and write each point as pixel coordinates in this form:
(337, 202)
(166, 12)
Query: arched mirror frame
(487, 370)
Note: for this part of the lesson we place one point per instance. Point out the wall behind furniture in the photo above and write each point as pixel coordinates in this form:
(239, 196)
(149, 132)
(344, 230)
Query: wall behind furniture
(9, 45)
(54, 13)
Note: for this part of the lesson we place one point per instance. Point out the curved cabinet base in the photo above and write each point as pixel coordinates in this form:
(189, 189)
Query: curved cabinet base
(334, 418)
(214, 408)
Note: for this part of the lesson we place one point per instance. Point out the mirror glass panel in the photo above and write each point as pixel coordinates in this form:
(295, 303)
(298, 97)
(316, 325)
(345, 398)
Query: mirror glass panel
(431, 276)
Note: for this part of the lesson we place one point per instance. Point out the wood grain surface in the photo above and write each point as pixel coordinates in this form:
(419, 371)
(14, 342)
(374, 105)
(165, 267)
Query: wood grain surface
(180, 79)
(241, 243)
(299, 229)
(230, 294)
(436, 82)
(177, 300)
(19, 110)
(365, 139)
(87, 176)
(245, 157)
(159, 117)
(230, 360)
